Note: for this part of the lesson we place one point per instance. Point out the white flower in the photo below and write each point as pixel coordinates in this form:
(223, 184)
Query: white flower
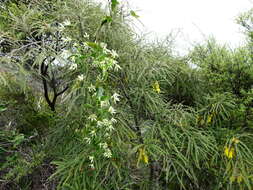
(105, 50)
(114, 62)
(88, 140)
(73, 58)
(113, 120)
(91, 158)
(110, 128)
(103, 145)
(91, 88)
(93, 133)
(80, 77)
(115, 97)
(75, 44)
(100, 123)
(73, 66)
(114, 54)
(103, 45)
(60, 27)
(86, 35)
(104, 103)
(66, 23)
(38, 106)
(111, 110)
(92, 117)
(108, 153)
(39, 103)
(117, 67)
(92, 166)
(106, 122)
(77, 130)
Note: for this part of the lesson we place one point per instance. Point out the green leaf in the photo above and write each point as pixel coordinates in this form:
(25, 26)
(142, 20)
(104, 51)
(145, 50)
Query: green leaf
(114, 4)
(132, 13)
(2, 108)
(18, 140)
(106, 20)
(93, 45)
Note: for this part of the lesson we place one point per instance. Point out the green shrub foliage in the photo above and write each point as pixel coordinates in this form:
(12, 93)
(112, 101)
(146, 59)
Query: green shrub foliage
(86, 103)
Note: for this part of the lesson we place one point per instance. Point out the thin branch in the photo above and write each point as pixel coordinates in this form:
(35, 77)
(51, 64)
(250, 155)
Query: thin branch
(59, 93)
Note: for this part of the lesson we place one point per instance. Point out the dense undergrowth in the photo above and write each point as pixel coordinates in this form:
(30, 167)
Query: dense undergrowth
(86, 103)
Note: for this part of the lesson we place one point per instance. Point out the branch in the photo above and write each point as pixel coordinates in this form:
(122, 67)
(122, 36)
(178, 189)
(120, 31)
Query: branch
(44, 73)
(59, 93)
(43, 69)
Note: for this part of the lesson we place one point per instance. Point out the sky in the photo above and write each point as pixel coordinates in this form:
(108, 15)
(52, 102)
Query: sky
(192, 20)
(195, 20)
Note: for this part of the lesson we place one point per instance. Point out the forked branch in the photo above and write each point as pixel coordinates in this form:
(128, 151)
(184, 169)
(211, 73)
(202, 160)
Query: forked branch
(46, 80)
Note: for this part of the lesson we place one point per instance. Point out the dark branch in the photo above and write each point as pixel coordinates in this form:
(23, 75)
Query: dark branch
(52, 84)
(59, 93)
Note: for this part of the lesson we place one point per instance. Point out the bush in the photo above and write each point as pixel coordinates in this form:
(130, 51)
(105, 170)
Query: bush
(93, 106)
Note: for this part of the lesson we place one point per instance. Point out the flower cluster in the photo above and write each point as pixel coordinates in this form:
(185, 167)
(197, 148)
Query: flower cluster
(61, 26)
(73, 67)
(115, 97)
(80, 77)
(237, 178)
(91, 88)
(100, 126)
(100, 122)
(106, 62)
(156, 87)
(113, 53)
(229, 152)
(142, 156)
(92, 117)
(91, 158)
(107, 152)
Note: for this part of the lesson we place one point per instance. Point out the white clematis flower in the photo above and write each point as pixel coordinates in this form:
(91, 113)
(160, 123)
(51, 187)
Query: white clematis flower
(104, 103)
(88, 140)
(108, 153)
(111, 110)
(113, 120)
(73, 67)
(92, 117)
(115, 97)
(91, 88)
(66, 23)
(114, 54)
(80, 77)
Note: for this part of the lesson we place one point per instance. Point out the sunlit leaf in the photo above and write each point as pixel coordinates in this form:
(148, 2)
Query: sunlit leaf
(132, 13)
(114, 4)
(106, 20)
